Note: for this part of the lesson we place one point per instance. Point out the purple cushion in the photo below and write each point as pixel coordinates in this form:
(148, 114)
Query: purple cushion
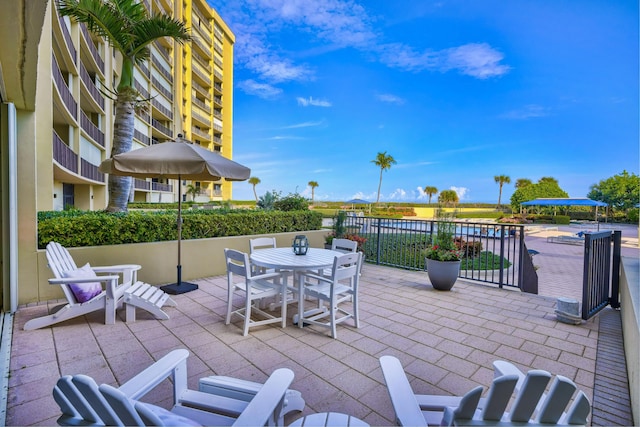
(83, 291)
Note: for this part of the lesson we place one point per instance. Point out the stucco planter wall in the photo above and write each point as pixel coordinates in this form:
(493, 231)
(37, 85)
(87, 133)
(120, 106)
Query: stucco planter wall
(200, 258)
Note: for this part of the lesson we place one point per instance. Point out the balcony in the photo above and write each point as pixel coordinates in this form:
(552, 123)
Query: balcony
(158, 186)
(217, 113)
(91, 129)
(90, 171)
(204, 77)
(206, 108)
(145, 70)
(217, 88)
(205, 121)
(144, 115)
(163, 90)
(204, 32)
(141, 137)
(206, 50)
(64, 155)
(217, 75)
(217, 140)
(163, 51)
(203, 63)
(140, 184)
(219, 35)
(63, 89)
(204, 91)
(140, 88)
(217, 127)
(200, 133)
(218, 48)
(92, 48)
(157, 125)
(167, 74)
(162, 109)
(204, 21)
(67, 39)
(91, 87)
(217, 101)
(217, 61)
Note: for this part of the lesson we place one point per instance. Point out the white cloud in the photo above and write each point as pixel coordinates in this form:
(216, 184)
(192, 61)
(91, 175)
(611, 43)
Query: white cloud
(460, 191)
(304, 125)
(314, 102)
(527, 112)
(398, 194)
(420, 193)
(391, 99)
(263, 90)
(478, 60)
(360, 195)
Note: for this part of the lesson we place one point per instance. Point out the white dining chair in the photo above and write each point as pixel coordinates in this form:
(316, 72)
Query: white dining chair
(253, 288)
(338, 288)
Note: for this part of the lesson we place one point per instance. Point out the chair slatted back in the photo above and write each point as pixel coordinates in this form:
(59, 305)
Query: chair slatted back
(122, 405)
(73, 404)
(527, 399)
(559, 395)
(89, 389)
(498, 397)
(579, 410)
(346, 266)
(237, 263)
(59, 260)
(344, 245)
(262, 243)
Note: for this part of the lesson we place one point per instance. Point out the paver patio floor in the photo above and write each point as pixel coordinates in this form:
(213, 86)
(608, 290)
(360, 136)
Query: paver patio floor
(445, 340)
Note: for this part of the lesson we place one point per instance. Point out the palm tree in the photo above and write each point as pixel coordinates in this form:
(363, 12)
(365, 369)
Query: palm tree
(447, 197)
(193, 190)
(430, 191)
(254, 180)
(523, 182)
(501, 180)
(127, 27)
(384, 161)
(313, 185)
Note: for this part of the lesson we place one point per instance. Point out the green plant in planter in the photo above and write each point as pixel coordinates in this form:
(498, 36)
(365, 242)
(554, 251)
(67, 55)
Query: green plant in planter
(338, 229)
(444, 247)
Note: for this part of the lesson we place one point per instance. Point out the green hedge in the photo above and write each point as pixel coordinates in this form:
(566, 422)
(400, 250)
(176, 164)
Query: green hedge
(86, 228)
(482, 214)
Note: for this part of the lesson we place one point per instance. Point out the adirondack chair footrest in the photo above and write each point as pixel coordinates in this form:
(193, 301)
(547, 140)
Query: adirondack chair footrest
(147, 297)
(236, 388)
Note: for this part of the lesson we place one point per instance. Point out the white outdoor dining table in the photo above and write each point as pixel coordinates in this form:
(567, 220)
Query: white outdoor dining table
(284, 259)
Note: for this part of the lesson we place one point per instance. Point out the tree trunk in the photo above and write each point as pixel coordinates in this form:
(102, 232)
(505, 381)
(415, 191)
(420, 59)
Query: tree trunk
(379, 187)
(119, 186)
(255, 194)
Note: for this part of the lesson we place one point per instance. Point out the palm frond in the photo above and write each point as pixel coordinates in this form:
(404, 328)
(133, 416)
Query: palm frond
(159, 26)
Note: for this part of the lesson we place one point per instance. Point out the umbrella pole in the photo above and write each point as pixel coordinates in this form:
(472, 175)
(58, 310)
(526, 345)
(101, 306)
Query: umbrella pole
(179, 287)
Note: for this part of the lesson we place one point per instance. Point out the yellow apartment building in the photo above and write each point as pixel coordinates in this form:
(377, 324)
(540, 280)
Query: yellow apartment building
(56, 124)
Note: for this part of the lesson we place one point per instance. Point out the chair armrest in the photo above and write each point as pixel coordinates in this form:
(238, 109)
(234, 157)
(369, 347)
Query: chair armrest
(316, 277)
(268, 402)
(403, 399)
(174, 363)
(68, 280)
(269, 276)
(116, 268)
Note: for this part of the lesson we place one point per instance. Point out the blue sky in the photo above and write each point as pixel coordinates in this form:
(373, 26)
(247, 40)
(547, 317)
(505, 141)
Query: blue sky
(456, 91)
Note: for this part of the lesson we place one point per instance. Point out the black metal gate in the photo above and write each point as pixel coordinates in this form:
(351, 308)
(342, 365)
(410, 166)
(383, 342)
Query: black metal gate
(598, 272)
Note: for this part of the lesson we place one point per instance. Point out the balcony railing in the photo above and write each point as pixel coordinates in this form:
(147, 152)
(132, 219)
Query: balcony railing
(201, 118)
(217, 127)
(64, 155)
(217, 74)
(163, 90)
(140, 184)
(205, 33)
(141, 137)
(218, 48)
(67, 39)
(90, 171)
(63, 89)
(144, 115)
(144, 69)
(158, 186)
(202, 74)
(199, 87)
(217, 114)
(217, 100)
(203, 47)
(144, 92)
(162, 128)
(93, 90)
(92, 47)
(87, 125)
(164, 110)
(218, 33)
(200, 133)
(217, 140)
(161, 68)
(203, 63)
(201, 104)
(217, 87)
(203, 20)
(163, 51)
(217, 61)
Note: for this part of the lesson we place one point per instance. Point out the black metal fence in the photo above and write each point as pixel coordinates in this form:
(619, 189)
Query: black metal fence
(598, 272)
(493, 253)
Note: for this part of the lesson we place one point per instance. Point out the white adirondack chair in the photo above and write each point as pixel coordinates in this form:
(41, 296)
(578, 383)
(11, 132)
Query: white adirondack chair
(83, 402)
(129, 290)
(530, 407)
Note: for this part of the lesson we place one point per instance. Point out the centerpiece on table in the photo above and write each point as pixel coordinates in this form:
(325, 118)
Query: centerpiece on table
(443, 257)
